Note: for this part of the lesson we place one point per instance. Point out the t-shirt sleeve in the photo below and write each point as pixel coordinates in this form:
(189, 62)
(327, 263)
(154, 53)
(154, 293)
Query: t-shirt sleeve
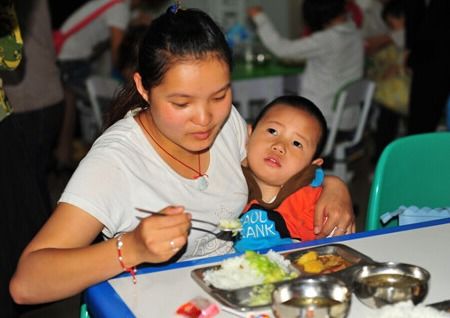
(297, 49)
(118, 16)
(99, 187)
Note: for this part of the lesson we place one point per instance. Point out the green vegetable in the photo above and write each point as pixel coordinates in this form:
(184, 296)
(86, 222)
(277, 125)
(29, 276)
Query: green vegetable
(271, 270)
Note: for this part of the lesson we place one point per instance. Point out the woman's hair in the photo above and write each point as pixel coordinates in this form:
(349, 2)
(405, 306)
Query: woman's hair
(129, 48)
(174, 36)
(304, 104)
(318, 13)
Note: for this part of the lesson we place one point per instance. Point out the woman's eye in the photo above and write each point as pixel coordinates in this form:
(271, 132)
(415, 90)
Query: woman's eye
(180, 104)
(297, 144)
(219, 98)
(272, 131)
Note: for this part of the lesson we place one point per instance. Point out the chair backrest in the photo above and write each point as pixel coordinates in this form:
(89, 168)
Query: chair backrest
(100, 88)
(413, 170)
(358, 93)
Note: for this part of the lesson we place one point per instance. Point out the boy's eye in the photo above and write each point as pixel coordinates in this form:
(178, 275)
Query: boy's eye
(297, 144)
(272, 131)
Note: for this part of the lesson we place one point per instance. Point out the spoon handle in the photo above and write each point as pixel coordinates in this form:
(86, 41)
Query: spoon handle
(157, 213)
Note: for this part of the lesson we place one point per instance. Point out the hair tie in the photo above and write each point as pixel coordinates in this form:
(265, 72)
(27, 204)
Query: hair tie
(174, 7)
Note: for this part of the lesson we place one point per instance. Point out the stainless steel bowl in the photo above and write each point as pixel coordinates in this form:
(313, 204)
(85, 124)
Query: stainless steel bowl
(388, 283)
(319, 297)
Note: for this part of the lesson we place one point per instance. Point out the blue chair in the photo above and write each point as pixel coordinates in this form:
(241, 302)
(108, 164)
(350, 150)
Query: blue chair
(413, 170)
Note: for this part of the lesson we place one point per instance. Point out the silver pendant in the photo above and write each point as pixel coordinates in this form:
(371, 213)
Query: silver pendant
(202, 183)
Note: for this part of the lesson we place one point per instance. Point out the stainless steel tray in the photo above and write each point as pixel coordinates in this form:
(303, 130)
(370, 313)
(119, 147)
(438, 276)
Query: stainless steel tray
(243, 299)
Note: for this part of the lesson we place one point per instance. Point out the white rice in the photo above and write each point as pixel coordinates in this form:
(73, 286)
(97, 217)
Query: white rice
(235, 272)
(408, 310)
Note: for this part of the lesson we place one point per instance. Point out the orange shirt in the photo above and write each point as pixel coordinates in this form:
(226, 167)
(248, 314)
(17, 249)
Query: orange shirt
(298, 211)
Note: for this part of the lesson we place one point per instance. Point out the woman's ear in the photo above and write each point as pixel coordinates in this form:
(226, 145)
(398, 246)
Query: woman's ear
(140, 88)
(318, 162)
(249, 129)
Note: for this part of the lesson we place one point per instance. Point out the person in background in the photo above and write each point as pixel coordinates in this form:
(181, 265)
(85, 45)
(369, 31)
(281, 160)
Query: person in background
(387, 67)
(22, 208)
(375, 31)
(78, 54)
(175, 146)
(427, 26)
(283, 158)
(354, 11)
(326, 52)
(38, 114)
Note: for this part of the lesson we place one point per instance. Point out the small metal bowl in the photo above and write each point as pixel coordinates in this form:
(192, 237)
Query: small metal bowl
(388, 283)
(322, 296)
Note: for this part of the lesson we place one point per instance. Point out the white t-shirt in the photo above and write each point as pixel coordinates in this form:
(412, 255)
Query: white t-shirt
(80, 45)
(334, 57)
(123, 171)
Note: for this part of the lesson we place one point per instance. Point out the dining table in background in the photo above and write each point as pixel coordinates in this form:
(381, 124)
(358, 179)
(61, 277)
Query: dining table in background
(160, 290)
(261, 82)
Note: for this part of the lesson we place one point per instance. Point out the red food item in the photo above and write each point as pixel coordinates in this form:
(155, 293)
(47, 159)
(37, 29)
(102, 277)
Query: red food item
(198, 308)
(190, 310)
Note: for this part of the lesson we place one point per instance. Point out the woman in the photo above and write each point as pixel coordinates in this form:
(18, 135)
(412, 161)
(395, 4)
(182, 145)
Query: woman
(177, 150)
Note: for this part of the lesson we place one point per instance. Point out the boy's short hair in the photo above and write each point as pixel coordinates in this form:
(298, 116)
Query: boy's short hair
(306, 105)
(393, 8)
(318, 13)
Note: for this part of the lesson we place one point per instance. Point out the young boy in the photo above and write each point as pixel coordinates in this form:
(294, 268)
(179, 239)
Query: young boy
(283, 174)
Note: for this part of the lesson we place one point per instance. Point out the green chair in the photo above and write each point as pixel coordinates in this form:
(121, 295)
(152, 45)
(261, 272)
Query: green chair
(413, 170)
(83, 311)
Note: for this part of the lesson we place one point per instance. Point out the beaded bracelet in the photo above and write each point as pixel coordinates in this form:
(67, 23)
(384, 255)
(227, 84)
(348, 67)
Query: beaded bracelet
(132, 270)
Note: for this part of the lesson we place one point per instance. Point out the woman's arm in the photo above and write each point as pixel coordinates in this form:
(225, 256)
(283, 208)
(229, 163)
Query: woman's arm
(334, 210)
(60, 262)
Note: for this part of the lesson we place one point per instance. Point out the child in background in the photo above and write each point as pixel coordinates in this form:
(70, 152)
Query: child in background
(387, 68)
(333, 53)
(282, 160)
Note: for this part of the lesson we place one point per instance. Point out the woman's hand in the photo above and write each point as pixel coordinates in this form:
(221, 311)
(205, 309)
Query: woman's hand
(334, 211)
(158, 238)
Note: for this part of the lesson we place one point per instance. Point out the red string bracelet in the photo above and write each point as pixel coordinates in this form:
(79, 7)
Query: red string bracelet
(132, 270)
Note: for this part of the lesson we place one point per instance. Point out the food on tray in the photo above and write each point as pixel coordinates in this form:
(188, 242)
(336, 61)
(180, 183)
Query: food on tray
(407, 310)
(313, 263)
(260, 295)
(248, 270)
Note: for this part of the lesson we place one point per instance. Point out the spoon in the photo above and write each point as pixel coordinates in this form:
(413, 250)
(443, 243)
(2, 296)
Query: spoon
(225, 225)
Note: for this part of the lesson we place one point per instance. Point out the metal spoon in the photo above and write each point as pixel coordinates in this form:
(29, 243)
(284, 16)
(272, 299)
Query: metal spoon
(215, 225)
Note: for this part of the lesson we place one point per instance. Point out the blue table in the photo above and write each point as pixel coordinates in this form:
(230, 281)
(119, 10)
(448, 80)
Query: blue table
(160, 290)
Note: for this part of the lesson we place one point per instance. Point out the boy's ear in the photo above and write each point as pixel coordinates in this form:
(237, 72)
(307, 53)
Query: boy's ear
(318, 162)
(140, 88)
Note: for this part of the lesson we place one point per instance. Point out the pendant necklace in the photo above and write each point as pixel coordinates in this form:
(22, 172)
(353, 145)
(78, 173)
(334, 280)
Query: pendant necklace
(201, 178)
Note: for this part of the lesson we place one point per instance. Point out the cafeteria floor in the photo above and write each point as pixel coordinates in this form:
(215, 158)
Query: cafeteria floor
(359, 189)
